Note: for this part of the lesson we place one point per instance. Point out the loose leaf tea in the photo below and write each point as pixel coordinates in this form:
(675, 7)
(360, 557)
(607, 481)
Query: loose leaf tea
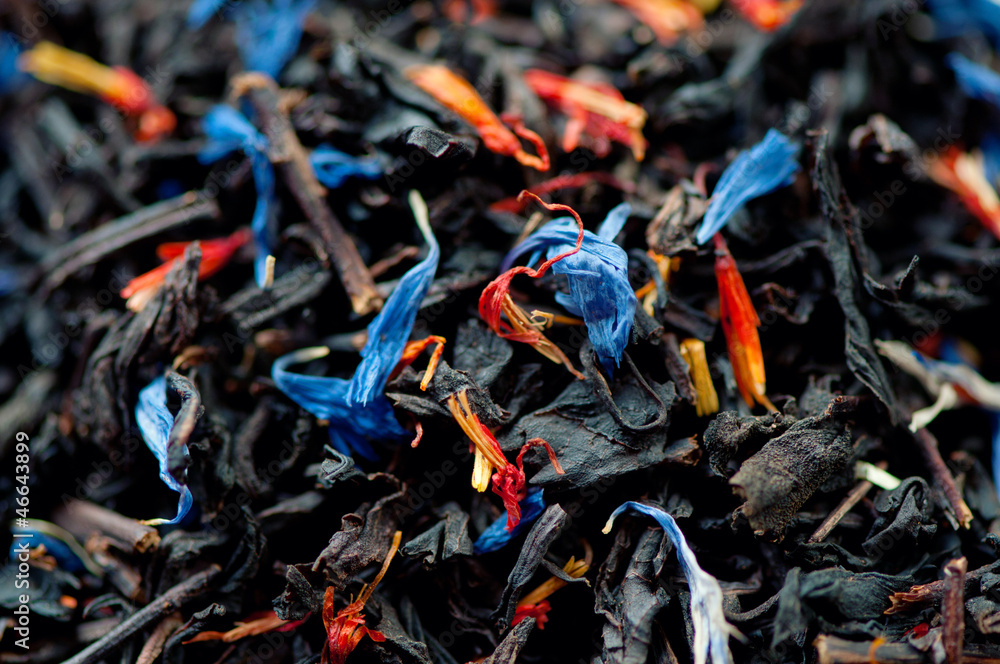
(334, 331)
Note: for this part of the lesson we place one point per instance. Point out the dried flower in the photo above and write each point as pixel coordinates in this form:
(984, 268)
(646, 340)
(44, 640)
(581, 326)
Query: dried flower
(769, 165)
(596, 110)
(495, 301)
(257, 623)
(215, 254)
(706, 399)
(711, 629)
(740, 323)
(768, 15)
(456, 10)
(668, 19)
(357, 410)
(598, 279)
(119, 86)
(508, 478)
(201, 10)
(333, 167)
(389, 332)
(496, 536)
(535, 604)
(228, 131)
(977, 81)
(457, 95)
(268, 33)
(964, 174)
(346, 628)
(155, 422)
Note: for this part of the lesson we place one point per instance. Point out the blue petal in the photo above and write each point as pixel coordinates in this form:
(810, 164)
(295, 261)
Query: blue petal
(954, 18)
(201, 10)
(268, 35)
(155, 423)
(599, 289)
(990, 146)
(706, 594)
(65, 557)
(976, 81)
(11, 77)
(353, 426)
(228, 130)
(389, 332)
(769, 165)
(333, 167)
(496, 536)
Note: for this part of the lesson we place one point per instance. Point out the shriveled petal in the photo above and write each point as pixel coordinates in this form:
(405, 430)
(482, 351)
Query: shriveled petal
(155, 422)
(496, 536)
(389, 332)
(598, 280)
(268, 34)
(769, 165)
(228, 130)
(333, 167)
(711, 629)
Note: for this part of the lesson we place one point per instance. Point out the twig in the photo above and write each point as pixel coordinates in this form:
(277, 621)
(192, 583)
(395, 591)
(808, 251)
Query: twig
(845, 506)
(156, 610)
(290, 159)
(932, 455)
(82, 518)
(929, 593)
(154, 646)
(835, 650)
(953, 609)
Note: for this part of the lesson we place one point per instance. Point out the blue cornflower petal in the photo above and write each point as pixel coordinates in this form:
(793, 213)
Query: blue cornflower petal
(976, 81)
(201, 10)
(711, 630)
(599, 289)
(64, 555)
(268, 34)
(228, 131)
(389, 332)
(959, 17)
(11, 77)
(353, 426)
(496, 536)
(358, 411)
(155, 423)
(990, 147)
(333, 167)
(769, 165)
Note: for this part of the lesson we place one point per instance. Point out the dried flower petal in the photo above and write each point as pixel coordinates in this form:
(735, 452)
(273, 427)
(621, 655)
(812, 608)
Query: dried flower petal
(668, 19)
(768, 15)
(457, 95)
(333, 167)
(706, 399)
(201, 10)
(535, 603)
(598, 279)
(711, 629)
(740, 323)
(346, 628)
(228, 131)
(268, 33)
(769, 165)
(595, 110)
(964, 173)
(155, 422)
(390, 331)
(977, 81)
(358, 411)
(496, 536)
(215, 254)
(119, 86)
